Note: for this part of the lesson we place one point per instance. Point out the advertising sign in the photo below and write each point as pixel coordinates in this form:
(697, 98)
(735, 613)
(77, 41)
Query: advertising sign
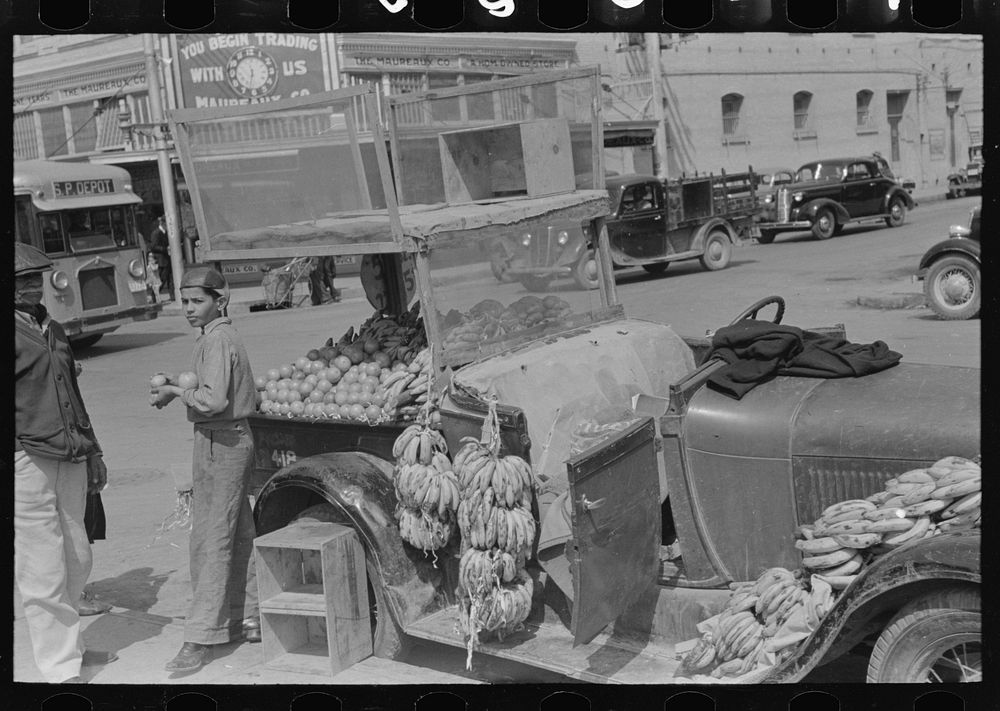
(248, 67)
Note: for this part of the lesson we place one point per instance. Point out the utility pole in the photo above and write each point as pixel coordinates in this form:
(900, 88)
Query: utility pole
(652, 42)
(163, 163)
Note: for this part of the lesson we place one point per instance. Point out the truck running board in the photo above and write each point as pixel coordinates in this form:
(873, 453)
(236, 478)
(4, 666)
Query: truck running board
(608, 659)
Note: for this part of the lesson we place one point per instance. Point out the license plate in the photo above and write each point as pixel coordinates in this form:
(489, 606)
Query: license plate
(136, 285)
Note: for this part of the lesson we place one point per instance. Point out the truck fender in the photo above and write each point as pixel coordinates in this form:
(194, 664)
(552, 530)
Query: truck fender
(359, 486)
(964, 247)
(898, 192)
(809, 211)
(891, 581)
(698, 242)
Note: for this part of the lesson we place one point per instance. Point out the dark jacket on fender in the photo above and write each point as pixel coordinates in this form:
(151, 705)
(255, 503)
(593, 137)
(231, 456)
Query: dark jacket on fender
(757, 351)
(50, 418)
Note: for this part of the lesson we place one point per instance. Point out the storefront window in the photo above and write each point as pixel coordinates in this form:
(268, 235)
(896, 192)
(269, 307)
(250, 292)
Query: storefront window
(84, 121)
(54, 132)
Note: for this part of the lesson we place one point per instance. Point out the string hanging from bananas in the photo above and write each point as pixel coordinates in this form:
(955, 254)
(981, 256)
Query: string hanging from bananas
(498, 532)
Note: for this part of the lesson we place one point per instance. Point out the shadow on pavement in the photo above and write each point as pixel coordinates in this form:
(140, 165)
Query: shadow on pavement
(116, 342)
(136, 589)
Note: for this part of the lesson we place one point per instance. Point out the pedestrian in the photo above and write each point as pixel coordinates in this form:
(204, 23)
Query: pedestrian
(159, 245)
(224, 602)
(57, 461)
(322, 271)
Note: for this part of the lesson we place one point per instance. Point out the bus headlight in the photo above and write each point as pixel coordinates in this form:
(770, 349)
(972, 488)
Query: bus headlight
(563, 238)
(768, 199)
(59, 279)
(797, 197)
(136, 269)
(526, 239)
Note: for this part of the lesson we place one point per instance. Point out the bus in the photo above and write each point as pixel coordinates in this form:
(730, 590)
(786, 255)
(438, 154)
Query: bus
(83, 217)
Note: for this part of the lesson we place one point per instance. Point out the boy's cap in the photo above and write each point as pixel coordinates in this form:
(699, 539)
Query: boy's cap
(29, 260)
(207, 278)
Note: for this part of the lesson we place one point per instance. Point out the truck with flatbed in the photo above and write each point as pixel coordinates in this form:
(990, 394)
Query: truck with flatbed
(654, 494)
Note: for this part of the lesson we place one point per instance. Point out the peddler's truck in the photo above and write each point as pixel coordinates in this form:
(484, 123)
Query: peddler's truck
(653, 495)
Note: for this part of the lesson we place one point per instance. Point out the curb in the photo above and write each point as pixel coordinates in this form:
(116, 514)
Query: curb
(888, 302)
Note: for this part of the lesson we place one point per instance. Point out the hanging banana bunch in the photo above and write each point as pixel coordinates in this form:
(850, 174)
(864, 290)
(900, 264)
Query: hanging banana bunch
(498, 535)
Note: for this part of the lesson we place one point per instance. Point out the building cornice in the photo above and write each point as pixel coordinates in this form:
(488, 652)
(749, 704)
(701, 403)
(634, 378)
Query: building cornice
(449, 44)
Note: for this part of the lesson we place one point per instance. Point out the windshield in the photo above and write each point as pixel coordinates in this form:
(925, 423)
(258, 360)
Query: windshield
(820, 171)
(87, 230)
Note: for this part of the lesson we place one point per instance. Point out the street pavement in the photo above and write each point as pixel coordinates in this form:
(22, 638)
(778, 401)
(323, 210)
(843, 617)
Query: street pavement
(143, 571)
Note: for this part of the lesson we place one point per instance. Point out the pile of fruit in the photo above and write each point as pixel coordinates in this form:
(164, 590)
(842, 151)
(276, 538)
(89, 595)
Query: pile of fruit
(380, 373)
(489, 319)
(426, 488)
(944, 497)
(498, 533)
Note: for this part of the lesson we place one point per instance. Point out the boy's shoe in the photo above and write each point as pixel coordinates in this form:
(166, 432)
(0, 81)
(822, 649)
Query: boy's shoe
(193, 656)
(89, 605)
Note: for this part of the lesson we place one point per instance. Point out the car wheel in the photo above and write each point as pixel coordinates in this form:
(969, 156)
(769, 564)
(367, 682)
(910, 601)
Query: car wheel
(718, 251)
(825, 224)
(936, 638)
(585, 273)
(388, 640)
(536, 283)
(657, 268)
(85, 341)
(897, 212)
(766, 236)
(952, 288)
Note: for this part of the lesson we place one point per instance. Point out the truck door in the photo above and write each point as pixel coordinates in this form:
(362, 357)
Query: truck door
(615, 515)
(640, 230)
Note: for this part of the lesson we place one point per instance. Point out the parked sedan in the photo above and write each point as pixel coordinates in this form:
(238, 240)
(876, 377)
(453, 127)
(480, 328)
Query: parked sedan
(951, 272)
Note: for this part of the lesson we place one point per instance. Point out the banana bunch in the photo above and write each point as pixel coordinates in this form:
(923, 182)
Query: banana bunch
(701, 656)
(503, 608)
(427, 487)
(418, 444)
(739, 638)
(423, 531)
(509, 477)
(486, 523)
(410, 386)
(478, 569)
(959, 484)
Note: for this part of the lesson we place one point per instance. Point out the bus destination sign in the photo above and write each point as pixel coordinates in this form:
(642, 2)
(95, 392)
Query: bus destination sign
(76, 188)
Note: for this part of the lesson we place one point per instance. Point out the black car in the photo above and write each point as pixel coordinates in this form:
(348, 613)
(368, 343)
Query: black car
(951, 272)
(830, 193)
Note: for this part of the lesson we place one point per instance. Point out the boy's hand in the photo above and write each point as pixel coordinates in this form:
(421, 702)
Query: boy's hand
(97, 474)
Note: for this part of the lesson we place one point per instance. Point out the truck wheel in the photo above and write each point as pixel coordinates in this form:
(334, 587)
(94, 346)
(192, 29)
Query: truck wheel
(585, 273)
(657, 268)
(951, 288)
(388, 640)
(536, 283)
(718, 251)
(85, 341)
(825, 224)
(897, 212)
(936, 638)
(766, 236)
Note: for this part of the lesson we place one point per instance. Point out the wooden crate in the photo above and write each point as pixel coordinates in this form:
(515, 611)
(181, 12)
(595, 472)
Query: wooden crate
(311, 580)
(533, 158)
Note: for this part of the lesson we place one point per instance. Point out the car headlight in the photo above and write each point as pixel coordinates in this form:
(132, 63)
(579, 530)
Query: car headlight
(768, 199)
(526, 239)
(59, 279)
(562, 238)
(797, 197)
(136, 269)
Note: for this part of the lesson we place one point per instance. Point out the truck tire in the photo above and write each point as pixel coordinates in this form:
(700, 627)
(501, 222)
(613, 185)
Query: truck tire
(585, 272)
(656, 268)
(825, 224)
(81, 342)
(766, 236)
(952, 287)
(536, 283)
(936, 638)
(897, 212)
(718, 251)
(388, 640)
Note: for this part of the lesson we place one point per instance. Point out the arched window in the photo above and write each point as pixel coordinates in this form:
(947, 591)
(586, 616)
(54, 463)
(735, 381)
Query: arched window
(800, 108)
(731, 105)
(864, 103)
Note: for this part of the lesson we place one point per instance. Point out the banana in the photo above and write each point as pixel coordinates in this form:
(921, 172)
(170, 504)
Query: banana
(731, 667)
(750, 641)
(502, 528)
(851, 566)
(400, 444)
(745, 601)
(787, 591)
(788, 605)
(961, 488)
(828, 560)
(422, 486)
(473, 464)
(901, 489)
(850, 514)
(478, 528)
(882, 514)
(753, 631)
(856, 527)
(960, 522)
(838, 582)
(846, 505)
(491, 529)
(916, 476)
(410, 453)
(921, 493)
(772, 593)
(949, 464)
(440, 462)
(879, 498)
(858, 540)
(485, 475)
(727, 625)
(969, 502)
(895, 502)
(510, 522)
(918, 530)
(444, 497)
(431, 496)
(770, 577)
(891, 525)
(424, 451)
(925, 508)
(818, 546)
